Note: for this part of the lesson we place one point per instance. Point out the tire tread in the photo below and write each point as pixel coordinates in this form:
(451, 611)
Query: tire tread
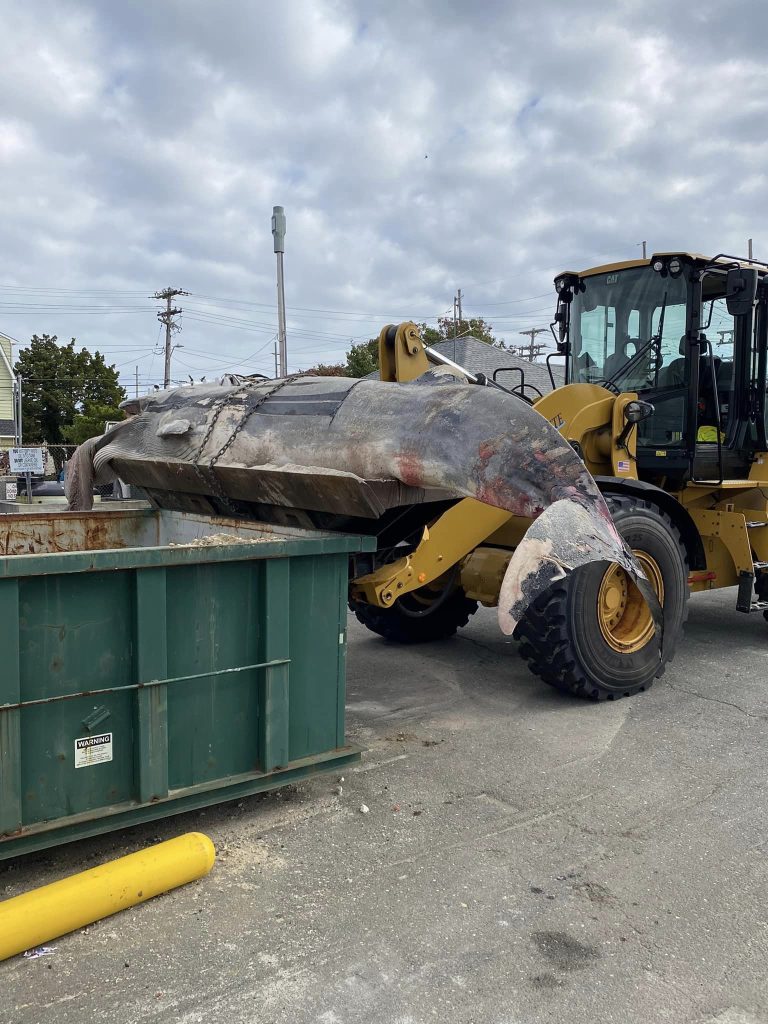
(546, 645)
(391, 624)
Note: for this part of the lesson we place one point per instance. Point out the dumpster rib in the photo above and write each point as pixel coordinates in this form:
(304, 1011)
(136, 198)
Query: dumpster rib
(10, 721)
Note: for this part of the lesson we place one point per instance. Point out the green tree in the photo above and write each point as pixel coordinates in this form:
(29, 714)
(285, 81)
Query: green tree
(446, 329)
(325, 370)
(90, 422)
(363, 358)
(67, 394)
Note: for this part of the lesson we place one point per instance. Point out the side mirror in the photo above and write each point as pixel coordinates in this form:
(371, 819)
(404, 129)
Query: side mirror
(635, 412)
(740, 290)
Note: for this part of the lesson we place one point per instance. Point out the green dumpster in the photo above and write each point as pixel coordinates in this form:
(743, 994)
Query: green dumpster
(154, 662)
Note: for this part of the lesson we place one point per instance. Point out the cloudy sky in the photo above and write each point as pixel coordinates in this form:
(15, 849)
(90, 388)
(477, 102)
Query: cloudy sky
(417, 147)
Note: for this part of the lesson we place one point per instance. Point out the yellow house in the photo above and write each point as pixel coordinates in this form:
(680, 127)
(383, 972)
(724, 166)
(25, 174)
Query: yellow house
(7, 434)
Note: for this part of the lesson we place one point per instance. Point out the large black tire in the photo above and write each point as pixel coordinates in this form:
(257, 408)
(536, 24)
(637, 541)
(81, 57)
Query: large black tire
(393, 624)
(561, 634)
(761, 590)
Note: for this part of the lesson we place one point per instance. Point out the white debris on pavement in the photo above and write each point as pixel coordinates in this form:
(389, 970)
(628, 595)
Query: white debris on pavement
(33, 954)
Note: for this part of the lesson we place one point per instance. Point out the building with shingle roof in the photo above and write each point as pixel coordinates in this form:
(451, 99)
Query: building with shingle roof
(479, 357)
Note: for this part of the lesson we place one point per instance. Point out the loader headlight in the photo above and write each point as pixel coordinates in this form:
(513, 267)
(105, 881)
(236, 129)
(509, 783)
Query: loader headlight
(658, 266)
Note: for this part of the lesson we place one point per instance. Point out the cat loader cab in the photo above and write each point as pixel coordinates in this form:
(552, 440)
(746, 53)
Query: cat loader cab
(687, 334)
(665, 398)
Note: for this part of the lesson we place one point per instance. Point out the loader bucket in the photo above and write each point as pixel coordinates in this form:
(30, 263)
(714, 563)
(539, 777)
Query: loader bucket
(354, 449)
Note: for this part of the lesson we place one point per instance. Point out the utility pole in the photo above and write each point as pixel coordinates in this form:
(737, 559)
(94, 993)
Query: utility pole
(19, 436)
(533, 348)
(166, 316)
(136, 379)
(645, 257)
(457, 312)
(749, 248)
(457, 318)
(278, 235)
(277, 366)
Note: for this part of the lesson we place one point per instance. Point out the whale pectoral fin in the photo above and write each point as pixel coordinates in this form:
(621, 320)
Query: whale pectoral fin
(565, 536)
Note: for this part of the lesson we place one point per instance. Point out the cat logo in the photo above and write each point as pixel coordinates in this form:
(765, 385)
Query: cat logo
(611, 278)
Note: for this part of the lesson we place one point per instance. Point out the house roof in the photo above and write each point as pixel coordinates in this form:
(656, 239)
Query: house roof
(478, 357)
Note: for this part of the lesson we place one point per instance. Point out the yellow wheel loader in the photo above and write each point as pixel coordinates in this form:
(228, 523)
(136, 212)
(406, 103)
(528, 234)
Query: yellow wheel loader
(665, 403)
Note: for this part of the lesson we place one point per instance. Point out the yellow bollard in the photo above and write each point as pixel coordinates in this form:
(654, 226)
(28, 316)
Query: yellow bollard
(44, 914)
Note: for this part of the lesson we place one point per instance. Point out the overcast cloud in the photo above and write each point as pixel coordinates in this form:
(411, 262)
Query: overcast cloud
(417, 147)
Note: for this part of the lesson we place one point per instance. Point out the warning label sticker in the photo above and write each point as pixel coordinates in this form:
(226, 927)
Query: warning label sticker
(93, 750)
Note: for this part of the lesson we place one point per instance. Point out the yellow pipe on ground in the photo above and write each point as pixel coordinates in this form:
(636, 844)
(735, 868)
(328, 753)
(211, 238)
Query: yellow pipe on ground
(44, 914)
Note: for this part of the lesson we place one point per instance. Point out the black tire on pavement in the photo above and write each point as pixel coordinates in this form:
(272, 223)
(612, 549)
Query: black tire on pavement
(761, 590)
(561, 634)
(421, 626)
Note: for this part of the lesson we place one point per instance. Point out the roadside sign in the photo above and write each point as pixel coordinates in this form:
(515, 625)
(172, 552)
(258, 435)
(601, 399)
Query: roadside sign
(26, 460)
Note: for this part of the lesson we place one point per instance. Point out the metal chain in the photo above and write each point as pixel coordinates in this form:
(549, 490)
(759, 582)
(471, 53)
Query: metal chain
(209, 477)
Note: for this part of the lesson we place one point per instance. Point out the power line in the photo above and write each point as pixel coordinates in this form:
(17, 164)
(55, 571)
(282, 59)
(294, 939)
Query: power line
(217, 300)
(258, 326)
(28, 308)
(72, 310)
(69, 291)
(510, 302)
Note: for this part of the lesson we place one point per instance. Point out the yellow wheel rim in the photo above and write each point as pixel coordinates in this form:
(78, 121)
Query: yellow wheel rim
(625, 619)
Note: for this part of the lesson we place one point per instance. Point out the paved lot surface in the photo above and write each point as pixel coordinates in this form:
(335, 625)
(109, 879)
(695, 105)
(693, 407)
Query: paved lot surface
(526, 857)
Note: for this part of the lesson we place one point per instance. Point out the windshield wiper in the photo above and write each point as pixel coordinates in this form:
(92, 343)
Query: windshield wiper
(659, 335)
(655, 340)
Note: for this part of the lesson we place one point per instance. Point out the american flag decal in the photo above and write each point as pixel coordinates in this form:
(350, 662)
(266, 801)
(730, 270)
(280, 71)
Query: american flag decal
(623, 466)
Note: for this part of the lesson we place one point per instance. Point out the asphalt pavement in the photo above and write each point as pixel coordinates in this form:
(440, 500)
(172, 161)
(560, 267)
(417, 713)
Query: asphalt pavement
(526, 857)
